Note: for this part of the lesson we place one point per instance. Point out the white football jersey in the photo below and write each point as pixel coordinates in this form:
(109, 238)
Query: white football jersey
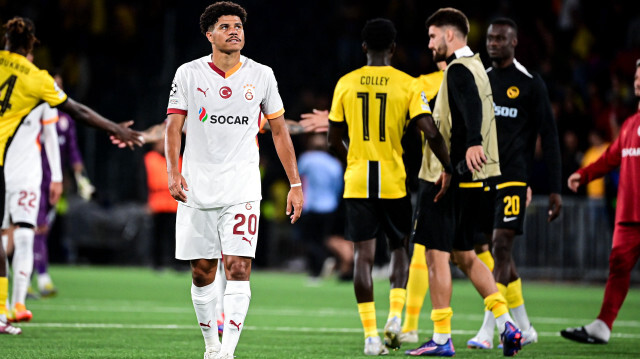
(220, 162)
(23, 164)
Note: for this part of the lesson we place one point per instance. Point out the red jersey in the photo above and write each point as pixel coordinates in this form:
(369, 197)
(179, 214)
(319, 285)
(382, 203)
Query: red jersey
(623, 152)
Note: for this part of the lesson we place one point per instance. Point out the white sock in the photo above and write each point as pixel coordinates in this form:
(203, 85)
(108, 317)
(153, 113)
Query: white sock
(22, 263)
(236, 304)
(5, 242)
(204, 303)
(598, 329)
(43, 280)
(488, 326)
(221, 284)
(501, 320)
(441, 338)
(520, 316)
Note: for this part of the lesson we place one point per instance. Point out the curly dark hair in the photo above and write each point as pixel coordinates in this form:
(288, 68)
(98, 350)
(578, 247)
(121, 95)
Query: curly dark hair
(379, 34)
(213, 12)
(449, 16)
(21, 34)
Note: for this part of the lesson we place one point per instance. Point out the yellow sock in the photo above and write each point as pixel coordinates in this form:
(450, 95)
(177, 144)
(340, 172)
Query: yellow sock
(487, 259)
(496, 302)
(397, 297)
(4, 292)
(417, 287)
(442, 320)
(368, 318)
(514, 294)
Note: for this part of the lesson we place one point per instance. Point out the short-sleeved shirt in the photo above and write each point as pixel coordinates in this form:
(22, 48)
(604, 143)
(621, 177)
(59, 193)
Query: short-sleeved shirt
(23, 163)
(376, 103)
(22, 87)
(321, 176)
(223, 113)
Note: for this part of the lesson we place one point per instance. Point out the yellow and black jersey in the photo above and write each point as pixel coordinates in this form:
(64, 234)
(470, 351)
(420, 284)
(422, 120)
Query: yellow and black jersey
(376, 102)
(22, 87)
(429, 84)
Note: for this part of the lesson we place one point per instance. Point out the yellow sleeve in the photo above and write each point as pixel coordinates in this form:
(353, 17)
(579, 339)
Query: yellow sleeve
(337, 107)
(418, 103)
(50, 92)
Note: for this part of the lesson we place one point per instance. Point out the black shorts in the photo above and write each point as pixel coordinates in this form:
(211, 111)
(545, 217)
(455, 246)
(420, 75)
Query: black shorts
(433, 221)
(366, 217)
(506, 202)
(510, 206)
(474, 213)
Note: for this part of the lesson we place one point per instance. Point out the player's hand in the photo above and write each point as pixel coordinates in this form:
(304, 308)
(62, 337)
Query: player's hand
(555, 204)
(124, 136)
(475, 158)
(444, 181)
(529, 196)
(295, 199)
(178, 186)
(317, 121)
(574, 181)
(55, 191)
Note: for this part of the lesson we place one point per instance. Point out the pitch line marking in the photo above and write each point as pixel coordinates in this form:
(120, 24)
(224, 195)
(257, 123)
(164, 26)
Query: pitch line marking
(256, 328)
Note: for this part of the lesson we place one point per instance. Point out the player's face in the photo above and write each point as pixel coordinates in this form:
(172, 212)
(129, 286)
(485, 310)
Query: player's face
(227, 35)
(500, 42)
(437, 43)
(636, 82)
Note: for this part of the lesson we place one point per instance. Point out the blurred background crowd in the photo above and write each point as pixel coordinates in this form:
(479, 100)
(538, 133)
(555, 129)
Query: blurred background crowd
(119, 57)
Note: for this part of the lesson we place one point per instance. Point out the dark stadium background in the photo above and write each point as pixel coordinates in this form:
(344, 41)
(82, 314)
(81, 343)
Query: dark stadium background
(119, 57)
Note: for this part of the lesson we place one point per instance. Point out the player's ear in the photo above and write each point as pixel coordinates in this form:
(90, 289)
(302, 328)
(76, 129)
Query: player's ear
(209, 36)
(364, 47)
(392, 48)
(449, 33)
(514, 41)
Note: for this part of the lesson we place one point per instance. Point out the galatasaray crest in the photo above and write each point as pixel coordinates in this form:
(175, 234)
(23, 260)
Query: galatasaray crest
(249, 92)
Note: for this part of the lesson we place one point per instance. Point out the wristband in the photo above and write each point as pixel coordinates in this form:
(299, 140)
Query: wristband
(299, 184)
(448, 169)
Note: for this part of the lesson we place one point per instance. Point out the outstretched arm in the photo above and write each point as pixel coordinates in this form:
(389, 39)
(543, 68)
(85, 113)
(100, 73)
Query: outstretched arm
(80, 112)
(293, 127)
(287, 155)
(316, 121)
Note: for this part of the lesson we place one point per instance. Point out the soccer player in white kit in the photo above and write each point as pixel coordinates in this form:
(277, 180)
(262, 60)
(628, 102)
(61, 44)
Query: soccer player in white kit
(23, 175)
(220, 98)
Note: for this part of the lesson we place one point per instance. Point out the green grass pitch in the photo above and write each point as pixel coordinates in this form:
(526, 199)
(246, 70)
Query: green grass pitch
(108, 312)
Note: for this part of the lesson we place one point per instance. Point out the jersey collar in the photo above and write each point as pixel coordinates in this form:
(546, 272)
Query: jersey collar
(228, 73)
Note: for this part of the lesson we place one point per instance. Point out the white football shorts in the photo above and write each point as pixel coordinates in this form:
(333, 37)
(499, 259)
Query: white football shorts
(208, 233)
(21, 206)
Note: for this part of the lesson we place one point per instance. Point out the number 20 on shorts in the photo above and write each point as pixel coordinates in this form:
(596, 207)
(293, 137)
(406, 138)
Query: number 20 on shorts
(512, 207)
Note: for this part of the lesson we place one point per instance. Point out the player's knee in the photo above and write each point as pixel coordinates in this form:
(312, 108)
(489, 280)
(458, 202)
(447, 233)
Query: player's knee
(238, 270)
(501, 247)
(201, 276)
(464, 259)
(619, 263)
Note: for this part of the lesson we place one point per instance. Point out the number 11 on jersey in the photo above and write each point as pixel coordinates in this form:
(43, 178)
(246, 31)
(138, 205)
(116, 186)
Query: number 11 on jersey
(364, 96)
